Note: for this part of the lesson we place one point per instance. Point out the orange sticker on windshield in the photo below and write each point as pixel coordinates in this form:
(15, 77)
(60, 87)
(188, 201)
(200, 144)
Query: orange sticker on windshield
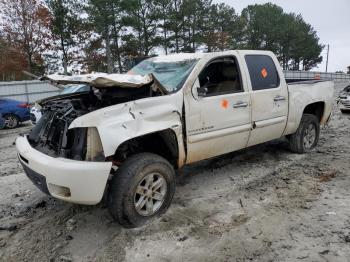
(264, 72)
(224, 104)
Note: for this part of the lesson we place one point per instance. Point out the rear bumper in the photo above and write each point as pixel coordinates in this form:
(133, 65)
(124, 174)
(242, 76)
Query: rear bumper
(74, 181)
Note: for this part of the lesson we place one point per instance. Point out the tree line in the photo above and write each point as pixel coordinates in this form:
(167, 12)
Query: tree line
(109, 35)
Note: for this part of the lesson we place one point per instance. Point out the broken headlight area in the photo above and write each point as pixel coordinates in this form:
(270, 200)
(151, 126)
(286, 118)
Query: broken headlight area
(94, 149)
(52, 137)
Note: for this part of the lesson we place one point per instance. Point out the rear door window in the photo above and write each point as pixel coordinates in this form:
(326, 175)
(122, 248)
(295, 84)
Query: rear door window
(263, 72)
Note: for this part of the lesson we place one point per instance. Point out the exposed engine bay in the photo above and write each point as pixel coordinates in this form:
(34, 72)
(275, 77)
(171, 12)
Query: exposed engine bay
(51, 135)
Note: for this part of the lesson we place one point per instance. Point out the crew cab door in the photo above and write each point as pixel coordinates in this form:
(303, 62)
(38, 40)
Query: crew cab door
(269, 94)
(218, 110)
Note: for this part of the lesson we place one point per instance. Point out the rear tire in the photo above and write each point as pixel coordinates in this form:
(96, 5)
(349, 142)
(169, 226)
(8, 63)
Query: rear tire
(11, 121)
(307, 135)
(142, 189)
(344, 111)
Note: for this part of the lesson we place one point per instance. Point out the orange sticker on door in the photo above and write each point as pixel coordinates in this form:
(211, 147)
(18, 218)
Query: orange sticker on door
(224, 104)
(264, 73)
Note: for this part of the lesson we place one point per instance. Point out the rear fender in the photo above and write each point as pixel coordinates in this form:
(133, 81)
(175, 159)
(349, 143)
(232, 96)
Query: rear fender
(300, 96)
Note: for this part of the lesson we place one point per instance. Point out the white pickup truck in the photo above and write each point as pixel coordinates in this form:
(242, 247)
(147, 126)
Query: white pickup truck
(125, 137)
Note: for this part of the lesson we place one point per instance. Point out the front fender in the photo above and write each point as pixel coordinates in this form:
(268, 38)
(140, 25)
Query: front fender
(119, 123)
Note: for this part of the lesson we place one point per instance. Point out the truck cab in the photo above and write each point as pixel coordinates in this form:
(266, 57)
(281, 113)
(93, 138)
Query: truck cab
(239, 99)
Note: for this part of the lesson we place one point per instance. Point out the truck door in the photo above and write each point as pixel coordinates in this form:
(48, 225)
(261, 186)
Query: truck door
(269, 94)
(218, 111)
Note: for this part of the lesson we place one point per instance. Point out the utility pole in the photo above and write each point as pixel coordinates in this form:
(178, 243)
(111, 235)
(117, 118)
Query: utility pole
(327, 58)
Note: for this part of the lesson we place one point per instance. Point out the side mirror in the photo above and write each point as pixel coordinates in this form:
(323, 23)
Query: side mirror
(202, 91)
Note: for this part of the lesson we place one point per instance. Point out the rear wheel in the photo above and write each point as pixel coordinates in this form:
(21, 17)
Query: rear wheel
(141, 189)
(11, 121)
(307, 135)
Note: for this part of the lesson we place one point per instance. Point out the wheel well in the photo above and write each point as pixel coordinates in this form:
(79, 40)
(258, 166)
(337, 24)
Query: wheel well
(163, 143)
(316, 109)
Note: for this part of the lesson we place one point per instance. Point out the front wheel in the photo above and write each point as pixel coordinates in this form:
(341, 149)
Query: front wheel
(142, 188)
(306, 137)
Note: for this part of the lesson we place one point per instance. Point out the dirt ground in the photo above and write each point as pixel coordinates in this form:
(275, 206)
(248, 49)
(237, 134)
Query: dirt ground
(260, 204)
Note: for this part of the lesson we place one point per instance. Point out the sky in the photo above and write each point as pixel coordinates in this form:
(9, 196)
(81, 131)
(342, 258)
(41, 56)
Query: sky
(331, 20)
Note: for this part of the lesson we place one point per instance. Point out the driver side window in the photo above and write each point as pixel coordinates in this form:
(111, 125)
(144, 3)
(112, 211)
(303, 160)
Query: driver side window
(220, 76)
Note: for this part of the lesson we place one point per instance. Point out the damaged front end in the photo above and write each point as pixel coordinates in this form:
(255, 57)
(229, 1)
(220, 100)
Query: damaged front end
(71, 151)
(52, 135)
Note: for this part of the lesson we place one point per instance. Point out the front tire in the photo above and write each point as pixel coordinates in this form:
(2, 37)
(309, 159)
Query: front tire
(307, 135)
(142, 189)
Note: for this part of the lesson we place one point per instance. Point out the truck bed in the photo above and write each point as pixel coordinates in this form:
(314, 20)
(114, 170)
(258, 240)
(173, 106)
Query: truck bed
(302, 93)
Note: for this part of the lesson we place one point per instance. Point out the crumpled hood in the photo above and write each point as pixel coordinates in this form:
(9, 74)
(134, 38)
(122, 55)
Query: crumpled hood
(102, 79)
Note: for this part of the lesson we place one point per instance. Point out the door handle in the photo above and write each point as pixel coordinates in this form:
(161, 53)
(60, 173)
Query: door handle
(279, 98)
(240, 104)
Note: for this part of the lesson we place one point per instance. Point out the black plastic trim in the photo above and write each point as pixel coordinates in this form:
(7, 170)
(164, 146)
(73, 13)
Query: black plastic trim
(38, 180)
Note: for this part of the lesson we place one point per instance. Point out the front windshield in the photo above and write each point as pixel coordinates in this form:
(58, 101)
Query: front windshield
(171, 74)
(69, 89)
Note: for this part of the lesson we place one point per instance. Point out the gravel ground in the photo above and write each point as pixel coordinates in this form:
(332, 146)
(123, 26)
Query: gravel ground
(259, 204)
